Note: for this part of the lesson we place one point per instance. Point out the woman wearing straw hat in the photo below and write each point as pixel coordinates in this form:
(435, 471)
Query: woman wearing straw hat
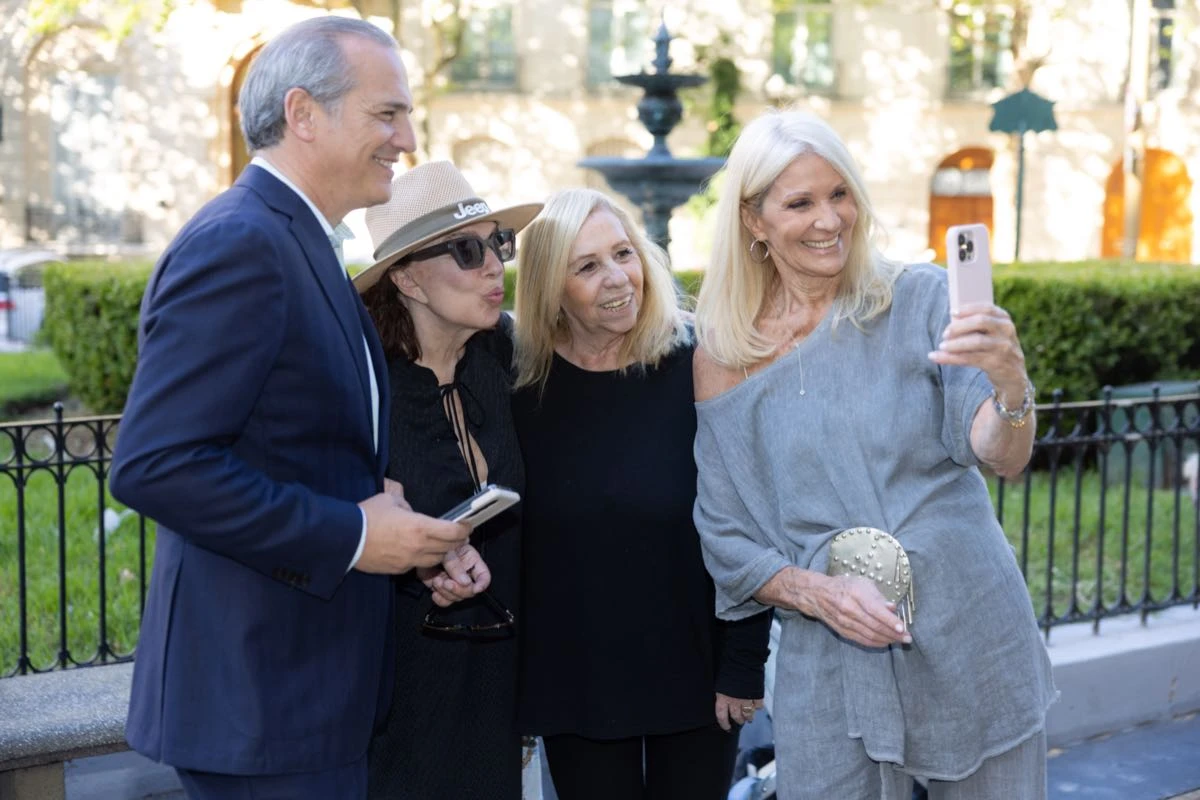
(636, 688)
(435, 294)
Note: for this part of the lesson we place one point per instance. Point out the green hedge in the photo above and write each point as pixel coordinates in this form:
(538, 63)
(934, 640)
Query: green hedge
(91, 322)
(1083, 325)
(1089, 324)
(1092, 324)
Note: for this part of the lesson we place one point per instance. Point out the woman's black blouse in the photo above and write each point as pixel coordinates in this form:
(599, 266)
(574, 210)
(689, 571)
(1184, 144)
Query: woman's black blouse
(450, 730)
(618, 636)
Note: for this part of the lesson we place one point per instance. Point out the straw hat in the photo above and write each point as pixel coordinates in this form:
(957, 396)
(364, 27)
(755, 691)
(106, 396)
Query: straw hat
(428, 201)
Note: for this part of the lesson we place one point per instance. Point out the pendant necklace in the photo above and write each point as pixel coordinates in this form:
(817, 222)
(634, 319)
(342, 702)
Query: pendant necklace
(795, 346)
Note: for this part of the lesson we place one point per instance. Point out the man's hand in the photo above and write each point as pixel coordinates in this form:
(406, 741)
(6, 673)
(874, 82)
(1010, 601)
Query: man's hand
(396, 490)
(399, 539)
(462, 575)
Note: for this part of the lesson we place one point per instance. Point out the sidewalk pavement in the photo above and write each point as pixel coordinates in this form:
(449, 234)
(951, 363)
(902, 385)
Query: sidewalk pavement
(1152, 762)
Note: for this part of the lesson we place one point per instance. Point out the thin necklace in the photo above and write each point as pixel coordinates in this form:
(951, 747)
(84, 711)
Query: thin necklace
(794, 346)
(800, 362)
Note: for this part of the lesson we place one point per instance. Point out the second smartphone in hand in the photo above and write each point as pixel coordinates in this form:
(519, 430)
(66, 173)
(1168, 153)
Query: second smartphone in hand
(483, 505)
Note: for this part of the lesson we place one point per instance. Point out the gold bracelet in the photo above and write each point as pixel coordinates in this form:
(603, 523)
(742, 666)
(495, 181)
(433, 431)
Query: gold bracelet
(1018, 417)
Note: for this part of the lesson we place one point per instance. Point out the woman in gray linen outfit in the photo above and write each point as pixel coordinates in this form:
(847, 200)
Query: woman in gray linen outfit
(834, 389)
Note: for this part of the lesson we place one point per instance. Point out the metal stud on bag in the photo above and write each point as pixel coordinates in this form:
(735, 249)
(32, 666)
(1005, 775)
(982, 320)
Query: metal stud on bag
(872, 553)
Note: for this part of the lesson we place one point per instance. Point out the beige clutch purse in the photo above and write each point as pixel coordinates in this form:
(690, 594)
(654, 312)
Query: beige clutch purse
(871, 553)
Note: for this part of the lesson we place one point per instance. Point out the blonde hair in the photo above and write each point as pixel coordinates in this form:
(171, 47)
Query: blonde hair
(735, 286)
(544, 254)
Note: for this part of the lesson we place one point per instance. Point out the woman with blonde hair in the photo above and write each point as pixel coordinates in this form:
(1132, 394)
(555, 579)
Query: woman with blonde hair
(636, 688)
(843, 417)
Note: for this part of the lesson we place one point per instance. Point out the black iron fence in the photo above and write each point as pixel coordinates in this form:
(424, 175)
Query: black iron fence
(1104, 523)
(73, 562)
(1106, 520)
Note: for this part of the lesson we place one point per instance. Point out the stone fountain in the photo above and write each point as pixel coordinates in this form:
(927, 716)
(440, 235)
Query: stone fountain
(658, 182)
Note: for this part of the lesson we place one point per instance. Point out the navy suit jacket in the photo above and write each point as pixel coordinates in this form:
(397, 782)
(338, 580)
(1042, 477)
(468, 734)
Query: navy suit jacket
(247, 436)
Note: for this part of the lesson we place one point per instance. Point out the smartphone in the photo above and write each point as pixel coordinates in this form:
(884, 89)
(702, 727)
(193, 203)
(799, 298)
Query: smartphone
(969, 262)
(483, 505)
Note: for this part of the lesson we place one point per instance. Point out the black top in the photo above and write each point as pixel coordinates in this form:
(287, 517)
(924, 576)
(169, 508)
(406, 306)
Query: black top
(450, 729)
(619, 637)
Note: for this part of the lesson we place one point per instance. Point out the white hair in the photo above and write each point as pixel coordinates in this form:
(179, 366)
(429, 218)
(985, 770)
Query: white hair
(735, 285)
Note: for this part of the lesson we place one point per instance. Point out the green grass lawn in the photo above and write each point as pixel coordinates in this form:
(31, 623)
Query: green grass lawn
(1172, 548)
(43, 549)
(1156, 568)
(28, 378)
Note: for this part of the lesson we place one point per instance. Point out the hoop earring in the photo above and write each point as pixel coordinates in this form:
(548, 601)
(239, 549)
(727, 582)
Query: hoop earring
(766, 252)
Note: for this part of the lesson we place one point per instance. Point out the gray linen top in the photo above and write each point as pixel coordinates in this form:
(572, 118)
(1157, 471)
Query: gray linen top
(880, 437)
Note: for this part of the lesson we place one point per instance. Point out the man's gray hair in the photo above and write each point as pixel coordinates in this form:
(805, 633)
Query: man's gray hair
(308, 56)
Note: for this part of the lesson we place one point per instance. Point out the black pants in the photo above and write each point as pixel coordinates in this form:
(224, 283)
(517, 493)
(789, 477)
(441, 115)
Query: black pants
(692, 765)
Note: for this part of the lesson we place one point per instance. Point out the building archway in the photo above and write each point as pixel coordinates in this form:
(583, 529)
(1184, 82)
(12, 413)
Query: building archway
(960, 193)
(238, 155)
(1165, 227)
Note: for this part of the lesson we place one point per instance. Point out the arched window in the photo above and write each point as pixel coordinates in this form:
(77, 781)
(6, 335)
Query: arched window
(1165, 226)
(959, 194)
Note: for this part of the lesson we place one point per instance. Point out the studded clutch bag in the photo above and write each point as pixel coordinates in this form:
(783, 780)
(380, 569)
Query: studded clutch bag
(871, 553)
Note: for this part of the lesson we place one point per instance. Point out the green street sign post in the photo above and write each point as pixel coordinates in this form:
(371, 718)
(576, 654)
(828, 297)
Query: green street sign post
(1020, 113)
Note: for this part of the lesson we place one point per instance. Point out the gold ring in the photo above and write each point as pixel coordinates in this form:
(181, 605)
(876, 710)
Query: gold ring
(747, 709)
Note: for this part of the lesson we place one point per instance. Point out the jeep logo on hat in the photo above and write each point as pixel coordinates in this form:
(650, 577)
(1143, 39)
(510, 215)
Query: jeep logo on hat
(472, 210)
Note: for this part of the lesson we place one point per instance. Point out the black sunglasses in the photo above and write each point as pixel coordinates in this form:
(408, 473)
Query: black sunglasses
(502, 619)
(470, 251)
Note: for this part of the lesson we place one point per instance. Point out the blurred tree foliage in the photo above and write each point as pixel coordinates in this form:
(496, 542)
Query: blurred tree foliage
(118, 17)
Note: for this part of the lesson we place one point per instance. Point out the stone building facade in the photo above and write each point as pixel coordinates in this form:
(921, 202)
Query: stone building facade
(107, 146)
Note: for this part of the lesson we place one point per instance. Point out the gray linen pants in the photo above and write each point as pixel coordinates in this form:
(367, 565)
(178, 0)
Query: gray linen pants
(1016, 774)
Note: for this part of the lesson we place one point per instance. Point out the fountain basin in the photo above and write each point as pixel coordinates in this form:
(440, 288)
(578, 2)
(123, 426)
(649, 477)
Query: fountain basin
(661, 82)
(656, 184)
(654, 169)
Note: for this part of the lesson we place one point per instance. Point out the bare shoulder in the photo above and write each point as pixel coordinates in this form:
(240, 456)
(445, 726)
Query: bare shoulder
(711, 378)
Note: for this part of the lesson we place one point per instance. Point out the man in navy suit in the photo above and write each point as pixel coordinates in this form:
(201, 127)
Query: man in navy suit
(252, 436)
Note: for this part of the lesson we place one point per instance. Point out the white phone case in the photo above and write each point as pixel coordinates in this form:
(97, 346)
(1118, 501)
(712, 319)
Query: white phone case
(483, 505)
(969, 262)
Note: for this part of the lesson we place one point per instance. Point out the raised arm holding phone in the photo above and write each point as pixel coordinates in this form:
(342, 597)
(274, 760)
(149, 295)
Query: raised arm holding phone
(983, 335)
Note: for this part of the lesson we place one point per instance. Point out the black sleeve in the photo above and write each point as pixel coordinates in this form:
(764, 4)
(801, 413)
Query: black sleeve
(741, 649)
